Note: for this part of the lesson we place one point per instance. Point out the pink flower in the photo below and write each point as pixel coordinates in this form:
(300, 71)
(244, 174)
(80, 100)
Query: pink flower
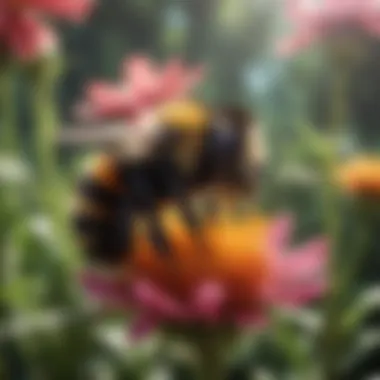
(144, 86)
(315, 20)
(247, 268)
(24, 34)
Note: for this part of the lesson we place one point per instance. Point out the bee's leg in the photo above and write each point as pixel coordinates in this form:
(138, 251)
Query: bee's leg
(157, 234)
(125, 227)
(144, 197)
(211, 204)
(171, 184)
(178, 190)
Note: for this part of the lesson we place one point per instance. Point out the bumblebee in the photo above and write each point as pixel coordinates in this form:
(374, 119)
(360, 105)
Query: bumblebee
(183, 150)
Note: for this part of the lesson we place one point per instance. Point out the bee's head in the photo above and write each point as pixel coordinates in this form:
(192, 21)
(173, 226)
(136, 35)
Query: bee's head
(230, 153)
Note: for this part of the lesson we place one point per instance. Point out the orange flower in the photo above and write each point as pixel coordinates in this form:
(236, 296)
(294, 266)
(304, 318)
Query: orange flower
(361, 176)
(228, 277)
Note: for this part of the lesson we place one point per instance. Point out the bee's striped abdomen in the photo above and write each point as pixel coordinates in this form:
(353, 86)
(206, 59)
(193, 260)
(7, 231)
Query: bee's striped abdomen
(103, 216)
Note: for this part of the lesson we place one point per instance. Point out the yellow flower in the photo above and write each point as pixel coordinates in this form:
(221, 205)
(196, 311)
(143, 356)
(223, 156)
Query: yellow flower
(361, 176)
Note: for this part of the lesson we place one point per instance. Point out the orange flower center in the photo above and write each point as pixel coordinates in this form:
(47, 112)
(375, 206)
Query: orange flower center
(232, 253)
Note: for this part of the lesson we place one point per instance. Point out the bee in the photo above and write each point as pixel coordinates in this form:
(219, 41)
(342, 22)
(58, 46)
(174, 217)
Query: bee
(184, 150)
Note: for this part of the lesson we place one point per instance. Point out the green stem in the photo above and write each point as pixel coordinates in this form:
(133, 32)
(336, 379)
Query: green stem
(8, 134)
(45, 123)
(211, 358)
(332, 212)
(339, 99)
(51, 187)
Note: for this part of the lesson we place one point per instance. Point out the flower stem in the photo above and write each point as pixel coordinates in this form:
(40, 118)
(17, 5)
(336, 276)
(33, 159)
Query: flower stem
(340, 99)
(8, 134)
(211, 364)
(43, 77)
(331, 203)
(45, 122)
(212, 348)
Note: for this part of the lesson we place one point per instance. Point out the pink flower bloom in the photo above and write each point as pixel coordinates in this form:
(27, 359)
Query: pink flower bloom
(248, 268)
(144, 86)
(22, 30)
(315, 20)
(72, 10)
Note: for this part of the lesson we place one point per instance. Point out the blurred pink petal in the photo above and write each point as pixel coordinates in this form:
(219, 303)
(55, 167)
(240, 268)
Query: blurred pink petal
(208, 300)
(321, 19)
(143, 88)
(299, 275)
(142, 77)
(155, 301)
(108, 101)
(307, 258)
(28, 38)
(74, 10)
(24, 34)
(281, 232)
(106, 289)
(291, 45)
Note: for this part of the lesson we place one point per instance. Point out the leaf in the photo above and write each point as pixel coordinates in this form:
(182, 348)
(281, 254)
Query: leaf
(365, 304)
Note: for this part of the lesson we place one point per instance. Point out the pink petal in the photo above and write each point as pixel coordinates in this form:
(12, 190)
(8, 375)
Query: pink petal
(75, 10)
(106, 289)
(208, 300)
(298, 294)
(142, 76)
(280, 233)
(109, 101)
(301, 40)
(308, 259)
(29, 38)
(153, 300)
(299, 276)
(326, 15)
(142, 327)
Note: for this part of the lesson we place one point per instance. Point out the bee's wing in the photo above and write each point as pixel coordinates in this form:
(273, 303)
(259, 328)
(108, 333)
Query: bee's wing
(84, 135)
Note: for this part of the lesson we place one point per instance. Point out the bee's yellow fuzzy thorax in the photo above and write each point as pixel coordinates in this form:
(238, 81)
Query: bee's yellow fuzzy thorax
(185, 115)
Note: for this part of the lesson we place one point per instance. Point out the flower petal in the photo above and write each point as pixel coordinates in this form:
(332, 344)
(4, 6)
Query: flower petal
(208, 300)
(74, 10)
(28, 37)
(280, 233)
(106, 100)
(308, 259)
(152, 299)
(106, 289)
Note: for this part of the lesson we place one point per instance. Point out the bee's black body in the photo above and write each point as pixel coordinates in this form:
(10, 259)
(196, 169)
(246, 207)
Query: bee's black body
(139, 188)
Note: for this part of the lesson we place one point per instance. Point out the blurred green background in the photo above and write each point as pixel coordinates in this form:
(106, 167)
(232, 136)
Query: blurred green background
(47, 330)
